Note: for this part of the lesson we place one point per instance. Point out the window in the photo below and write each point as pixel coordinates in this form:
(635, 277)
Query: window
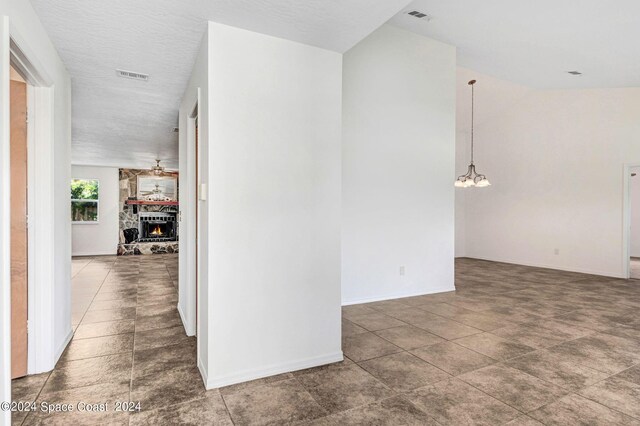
(84, 200)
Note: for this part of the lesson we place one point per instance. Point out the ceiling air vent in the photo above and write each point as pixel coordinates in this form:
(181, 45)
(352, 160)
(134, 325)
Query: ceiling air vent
(420, 15)
(132, 75)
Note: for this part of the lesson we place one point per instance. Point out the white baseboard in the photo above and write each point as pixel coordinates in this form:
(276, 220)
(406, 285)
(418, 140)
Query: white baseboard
(186, 326)
(394, 296)
(555, 267)
(62, 347)
(248, 375)
(203, 372)
(115, 253)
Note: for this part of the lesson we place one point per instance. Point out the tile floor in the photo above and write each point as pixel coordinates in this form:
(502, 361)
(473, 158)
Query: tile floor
(512, 345)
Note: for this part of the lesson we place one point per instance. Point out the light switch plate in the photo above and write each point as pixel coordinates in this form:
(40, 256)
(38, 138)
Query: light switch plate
(203, 192)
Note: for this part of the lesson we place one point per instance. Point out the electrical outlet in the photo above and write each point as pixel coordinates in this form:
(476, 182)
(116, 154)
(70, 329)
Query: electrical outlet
(556, 251)
(402, 271)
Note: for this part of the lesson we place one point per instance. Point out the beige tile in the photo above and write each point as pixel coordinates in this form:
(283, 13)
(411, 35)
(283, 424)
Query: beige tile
(541, 334)
(493, 346)
(109, 315)
(366, 346)
(409, 337)
(350, 329)
(576, 410)
(375, 321)
(616, 393)
(90, 371)
(513, 387)
(404, 372)
(631, 375)
(100, 305)
(95, 394)
(603, 352)
(482, 320)
(446, 328)
(274, 403)
(245, 386)
(208, 410)
(175, 386)
(453, 402)
(343, 387)
(523, 421)
(153, 322)
(392, 411)
(107, 328)
(160, 360)
(156, 338)
(556, 369)
(98, 346)
(27, 388)
(453, 358)
(160, 309)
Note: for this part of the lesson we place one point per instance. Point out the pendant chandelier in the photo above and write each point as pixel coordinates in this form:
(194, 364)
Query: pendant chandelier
(157, 169)
(472, 178)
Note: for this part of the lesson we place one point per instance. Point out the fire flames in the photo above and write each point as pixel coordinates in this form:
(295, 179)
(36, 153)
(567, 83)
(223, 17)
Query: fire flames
(157, 231)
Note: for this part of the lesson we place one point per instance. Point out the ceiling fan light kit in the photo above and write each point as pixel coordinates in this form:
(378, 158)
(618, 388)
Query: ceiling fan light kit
(158, 170)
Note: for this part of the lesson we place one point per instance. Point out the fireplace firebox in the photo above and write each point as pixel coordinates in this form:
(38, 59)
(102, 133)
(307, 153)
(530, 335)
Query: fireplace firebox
(157, 226)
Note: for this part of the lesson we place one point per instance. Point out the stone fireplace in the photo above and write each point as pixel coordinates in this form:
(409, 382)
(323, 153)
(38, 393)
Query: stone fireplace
(146, 226)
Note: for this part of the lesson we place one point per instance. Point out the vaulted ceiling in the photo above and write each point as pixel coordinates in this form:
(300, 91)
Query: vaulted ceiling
(535, 43)
(128, 123)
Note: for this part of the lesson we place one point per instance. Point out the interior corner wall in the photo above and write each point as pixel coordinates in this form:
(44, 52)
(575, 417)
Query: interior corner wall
(555, 159)
(398, 167)
(53, 269)
(634, 195)
(101, 238)
(274, 205)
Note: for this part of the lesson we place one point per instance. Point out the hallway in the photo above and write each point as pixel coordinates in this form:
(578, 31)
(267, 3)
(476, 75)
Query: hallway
(129, 345)
(569, 343)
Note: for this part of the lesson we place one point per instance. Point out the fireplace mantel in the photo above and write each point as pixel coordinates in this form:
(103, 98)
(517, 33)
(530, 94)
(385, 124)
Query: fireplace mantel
(150, 203)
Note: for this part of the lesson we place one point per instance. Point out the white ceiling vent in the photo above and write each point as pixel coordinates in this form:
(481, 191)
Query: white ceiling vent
(132, 75)
(420, 15)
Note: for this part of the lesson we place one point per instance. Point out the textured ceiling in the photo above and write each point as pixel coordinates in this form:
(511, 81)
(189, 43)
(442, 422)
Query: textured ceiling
(535, 43)
(127, 123)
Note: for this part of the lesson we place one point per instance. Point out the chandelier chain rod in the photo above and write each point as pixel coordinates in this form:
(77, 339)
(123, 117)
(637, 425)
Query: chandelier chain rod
(472, 118)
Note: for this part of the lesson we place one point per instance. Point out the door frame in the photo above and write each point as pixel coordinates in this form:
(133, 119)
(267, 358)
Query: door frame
(40, 139)
(40, 94)
(5, 221)
(189, 252)
(626, 219)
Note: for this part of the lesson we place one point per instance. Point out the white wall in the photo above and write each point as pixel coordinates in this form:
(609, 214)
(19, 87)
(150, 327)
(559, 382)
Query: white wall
(634, 198)
(53, 259)
(101, 238)
(503, 96)
(555, 159)
(272, 165)
(398, 166)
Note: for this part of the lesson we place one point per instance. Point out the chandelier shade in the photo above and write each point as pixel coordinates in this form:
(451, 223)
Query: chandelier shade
(472, 177)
